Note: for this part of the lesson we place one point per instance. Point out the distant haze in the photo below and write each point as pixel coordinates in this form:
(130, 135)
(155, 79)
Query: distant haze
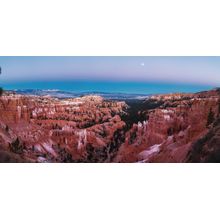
(187, 70)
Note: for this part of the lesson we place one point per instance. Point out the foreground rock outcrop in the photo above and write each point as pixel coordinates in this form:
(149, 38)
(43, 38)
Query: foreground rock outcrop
(46, 129)
(170, 129)
(162, 128)
(207, 148)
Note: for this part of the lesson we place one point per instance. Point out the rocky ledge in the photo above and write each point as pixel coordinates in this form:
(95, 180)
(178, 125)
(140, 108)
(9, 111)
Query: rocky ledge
(163, 128)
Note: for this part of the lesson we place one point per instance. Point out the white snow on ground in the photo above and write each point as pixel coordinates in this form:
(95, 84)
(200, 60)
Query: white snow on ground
(146, 154)
(48, 148)
(66, 128)
(167, 114)
(37, 111)
(19, 111)
(41, 160)
(82, 139)
(52, 111)
(38, 148)
(167, 117)
(69, 102)
(145, 123)
(139, 124)
(167, 111)
(170, 138)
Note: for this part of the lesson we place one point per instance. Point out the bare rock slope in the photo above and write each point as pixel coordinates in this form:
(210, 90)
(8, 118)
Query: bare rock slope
(163, 128)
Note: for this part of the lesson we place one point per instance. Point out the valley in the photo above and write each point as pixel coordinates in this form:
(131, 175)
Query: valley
(159, 128)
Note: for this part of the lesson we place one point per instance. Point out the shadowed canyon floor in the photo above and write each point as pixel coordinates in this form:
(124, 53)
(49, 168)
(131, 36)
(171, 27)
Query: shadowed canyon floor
(161, 128)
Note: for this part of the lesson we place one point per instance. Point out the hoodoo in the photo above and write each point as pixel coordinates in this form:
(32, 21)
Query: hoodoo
(162, 128)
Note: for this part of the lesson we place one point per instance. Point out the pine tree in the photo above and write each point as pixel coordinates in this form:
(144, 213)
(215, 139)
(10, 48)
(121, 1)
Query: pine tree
(1, 91)
(7, 128)
(16, 147)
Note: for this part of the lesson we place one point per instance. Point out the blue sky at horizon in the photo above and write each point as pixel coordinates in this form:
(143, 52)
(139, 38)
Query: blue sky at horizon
(137, 75)
(182, 70)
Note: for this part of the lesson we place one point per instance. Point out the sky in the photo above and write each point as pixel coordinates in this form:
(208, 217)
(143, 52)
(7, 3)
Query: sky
(189, 70)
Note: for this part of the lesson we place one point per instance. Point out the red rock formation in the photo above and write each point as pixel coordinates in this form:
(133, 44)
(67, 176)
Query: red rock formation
(44, 124)
(170, 131)
(90, 129)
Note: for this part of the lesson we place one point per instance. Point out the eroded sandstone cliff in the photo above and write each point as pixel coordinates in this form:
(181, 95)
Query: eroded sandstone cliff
(49, 129)
(170, 129)
(163, 128)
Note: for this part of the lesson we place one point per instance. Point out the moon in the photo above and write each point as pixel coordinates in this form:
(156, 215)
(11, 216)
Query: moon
(142, 64)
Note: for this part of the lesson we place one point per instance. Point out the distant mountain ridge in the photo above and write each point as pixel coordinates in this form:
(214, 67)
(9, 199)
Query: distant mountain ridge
(56, 93)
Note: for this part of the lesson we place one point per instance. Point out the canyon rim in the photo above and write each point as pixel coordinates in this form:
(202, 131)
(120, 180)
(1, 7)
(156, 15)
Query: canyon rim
(65, 118)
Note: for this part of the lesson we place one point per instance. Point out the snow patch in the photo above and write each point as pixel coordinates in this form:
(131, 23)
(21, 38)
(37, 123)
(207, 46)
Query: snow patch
(139, 124)
(166, 117)
(48, 148)
(68, 102)
(167, 111)
(19, 111)
(38, 148)
(82, 139)
(41, 160)
(66, 128)
(146, 154)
